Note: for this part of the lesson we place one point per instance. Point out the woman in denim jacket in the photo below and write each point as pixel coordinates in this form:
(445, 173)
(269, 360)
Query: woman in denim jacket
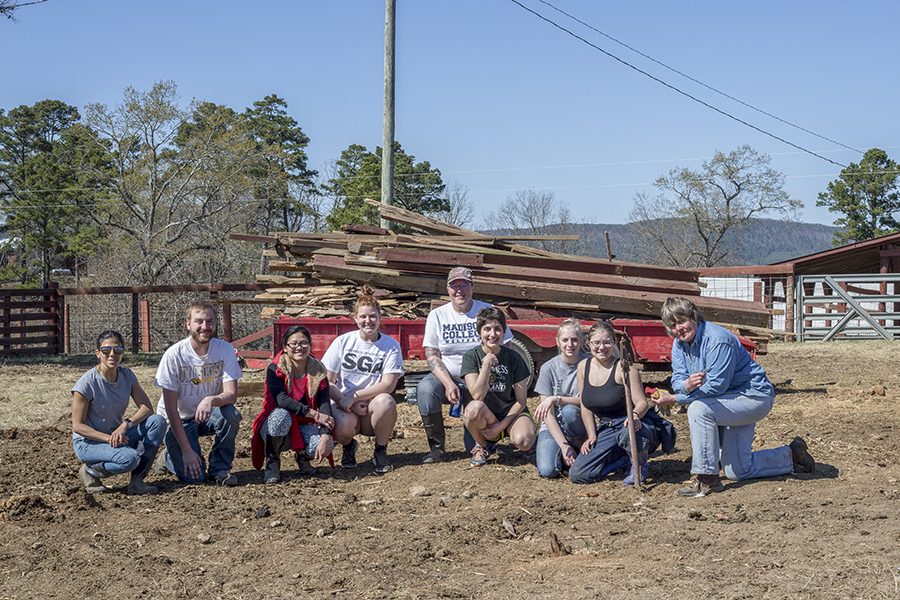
(726, 393)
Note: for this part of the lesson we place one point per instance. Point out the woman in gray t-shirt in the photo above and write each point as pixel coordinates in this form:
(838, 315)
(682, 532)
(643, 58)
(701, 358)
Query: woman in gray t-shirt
(103, 440)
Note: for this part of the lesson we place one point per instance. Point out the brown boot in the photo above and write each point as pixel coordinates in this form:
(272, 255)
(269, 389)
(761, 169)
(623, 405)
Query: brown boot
(703, 485)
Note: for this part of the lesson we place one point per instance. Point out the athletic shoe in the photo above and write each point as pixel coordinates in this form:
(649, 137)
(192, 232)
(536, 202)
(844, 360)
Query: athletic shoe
(382, 465)
(480, 456)
(348, 458)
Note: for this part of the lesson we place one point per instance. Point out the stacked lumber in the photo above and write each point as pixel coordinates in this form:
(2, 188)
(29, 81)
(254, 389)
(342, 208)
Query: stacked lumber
(322, 274)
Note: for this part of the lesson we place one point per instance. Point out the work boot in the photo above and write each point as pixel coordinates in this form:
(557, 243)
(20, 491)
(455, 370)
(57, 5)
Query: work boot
(91, 481)
(643, 467)
(272, 474)
(382, 465)
(136, 486)
(159, 465)
(803, 460)
(434, 433)
(703, 485)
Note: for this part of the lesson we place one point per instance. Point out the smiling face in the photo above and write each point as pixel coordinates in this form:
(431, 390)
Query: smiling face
(568, 340)
(110, 352)
(684, 330)
(368, 320)
(460, 292)
(297, 347)
(491, 334)
(602, 344)
(202, 326)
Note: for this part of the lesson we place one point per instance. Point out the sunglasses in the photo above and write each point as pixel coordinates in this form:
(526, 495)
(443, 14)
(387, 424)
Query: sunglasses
(117, 350)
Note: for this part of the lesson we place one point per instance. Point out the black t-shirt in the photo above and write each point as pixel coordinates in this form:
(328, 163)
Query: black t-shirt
(510, 369)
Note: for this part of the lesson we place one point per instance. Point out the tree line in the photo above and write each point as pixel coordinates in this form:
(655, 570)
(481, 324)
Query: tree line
(147, 192)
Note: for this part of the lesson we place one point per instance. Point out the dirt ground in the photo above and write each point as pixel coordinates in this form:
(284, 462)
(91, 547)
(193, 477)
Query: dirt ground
(470, 532)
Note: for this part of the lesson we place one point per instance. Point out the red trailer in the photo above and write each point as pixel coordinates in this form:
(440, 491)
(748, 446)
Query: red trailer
(536, 340)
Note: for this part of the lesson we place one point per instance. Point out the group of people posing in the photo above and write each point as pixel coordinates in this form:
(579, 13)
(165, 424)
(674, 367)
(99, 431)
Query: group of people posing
(310, 405)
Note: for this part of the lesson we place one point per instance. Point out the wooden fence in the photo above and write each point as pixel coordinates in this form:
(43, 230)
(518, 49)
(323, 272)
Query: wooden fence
(38, 321)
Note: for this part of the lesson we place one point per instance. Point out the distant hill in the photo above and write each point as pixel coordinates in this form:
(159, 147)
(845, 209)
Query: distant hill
(765, 241)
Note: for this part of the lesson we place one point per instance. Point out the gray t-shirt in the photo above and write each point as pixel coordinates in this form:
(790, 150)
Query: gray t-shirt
(558, 378)
(108, 401)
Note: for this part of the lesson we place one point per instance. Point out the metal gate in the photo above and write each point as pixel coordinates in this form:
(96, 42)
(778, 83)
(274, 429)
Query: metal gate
(847, 307)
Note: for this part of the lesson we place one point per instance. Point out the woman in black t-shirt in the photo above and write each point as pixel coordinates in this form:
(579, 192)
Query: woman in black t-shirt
(601, 391)
(497, 379)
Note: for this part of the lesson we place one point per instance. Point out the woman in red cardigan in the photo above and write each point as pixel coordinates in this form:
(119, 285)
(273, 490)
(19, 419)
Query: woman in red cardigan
(296, 412)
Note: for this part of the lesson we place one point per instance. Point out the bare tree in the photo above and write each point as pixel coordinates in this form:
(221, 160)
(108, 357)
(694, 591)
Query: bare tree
(8, 7)
(696, 218)
(530, 212)
(461, 212)
(181, 186)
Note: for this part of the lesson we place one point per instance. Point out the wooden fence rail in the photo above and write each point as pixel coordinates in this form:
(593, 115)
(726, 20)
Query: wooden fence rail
(37, 321)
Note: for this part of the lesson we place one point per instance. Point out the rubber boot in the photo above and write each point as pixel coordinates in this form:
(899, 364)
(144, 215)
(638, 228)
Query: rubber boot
(434, 433)
(136, 486)
(272, 473)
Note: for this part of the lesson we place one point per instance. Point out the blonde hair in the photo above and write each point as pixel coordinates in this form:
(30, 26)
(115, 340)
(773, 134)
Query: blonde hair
(570, 323)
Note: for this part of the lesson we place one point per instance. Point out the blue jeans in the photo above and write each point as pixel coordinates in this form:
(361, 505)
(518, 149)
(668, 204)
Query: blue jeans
(547, 453)
(105, 460)
(223, 423)
(722, 430)
(609, 453)
(430, 395)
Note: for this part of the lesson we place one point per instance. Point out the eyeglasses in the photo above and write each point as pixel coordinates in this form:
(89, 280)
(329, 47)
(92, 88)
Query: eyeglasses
(604, 343)
(295, 345)
(459, 285)
(117, 350)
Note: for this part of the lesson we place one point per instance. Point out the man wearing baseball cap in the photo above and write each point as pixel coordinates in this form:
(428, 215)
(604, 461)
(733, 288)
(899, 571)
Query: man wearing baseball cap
(449, 332)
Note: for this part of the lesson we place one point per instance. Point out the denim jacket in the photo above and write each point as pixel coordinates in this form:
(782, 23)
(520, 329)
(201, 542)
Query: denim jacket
(728, 366)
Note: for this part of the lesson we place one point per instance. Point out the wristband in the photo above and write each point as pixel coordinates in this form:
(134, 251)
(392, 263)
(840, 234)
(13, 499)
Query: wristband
(128, 423)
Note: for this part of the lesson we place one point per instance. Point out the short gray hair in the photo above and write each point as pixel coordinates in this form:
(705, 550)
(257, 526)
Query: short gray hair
(677, 309)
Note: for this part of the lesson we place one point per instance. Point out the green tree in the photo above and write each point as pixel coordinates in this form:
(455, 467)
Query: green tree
(285, 185)
(867, 195)
(53, 169)
(417, 186)
(696, 218)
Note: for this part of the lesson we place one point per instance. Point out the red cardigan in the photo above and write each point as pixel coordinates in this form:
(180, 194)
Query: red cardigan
(303, 390)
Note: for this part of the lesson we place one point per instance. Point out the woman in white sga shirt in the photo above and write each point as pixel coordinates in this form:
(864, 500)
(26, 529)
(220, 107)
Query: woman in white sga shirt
(365, 366)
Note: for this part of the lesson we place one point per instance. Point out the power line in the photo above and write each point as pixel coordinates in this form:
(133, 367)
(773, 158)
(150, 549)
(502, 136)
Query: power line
(672, 87)
(697, 81)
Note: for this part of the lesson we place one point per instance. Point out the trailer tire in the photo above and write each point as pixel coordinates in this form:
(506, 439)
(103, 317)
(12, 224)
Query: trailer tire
(521, 349)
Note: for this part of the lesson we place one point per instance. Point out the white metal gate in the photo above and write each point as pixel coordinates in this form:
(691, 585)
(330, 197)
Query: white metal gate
(847, 307)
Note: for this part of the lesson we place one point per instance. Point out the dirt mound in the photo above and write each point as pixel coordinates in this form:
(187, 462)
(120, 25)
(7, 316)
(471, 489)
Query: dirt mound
(20, 507)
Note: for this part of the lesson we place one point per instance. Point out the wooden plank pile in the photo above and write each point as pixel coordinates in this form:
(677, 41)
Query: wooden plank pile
(321, 275)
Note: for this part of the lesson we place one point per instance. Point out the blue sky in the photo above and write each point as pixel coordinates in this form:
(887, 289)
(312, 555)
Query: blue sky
(495, 98)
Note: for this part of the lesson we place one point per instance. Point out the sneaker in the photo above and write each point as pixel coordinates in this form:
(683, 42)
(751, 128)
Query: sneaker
(803, 460)
(92, 483)
(348, 458)
(479, 456)
(703, 485)
(137, 487)
(226, 478)
(382, 465)
(645, 472)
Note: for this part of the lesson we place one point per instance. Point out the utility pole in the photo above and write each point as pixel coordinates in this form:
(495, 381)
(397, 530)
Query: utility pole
(387, 143)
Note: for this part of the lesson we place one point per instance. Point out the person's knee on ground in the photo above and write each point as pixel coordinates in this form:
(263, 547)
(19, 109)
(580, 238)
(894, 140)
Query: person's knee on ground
(547, 456)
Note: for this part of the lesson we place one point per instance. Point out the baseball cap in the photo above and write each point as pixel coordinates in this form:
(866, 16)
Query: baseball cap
(459, 273)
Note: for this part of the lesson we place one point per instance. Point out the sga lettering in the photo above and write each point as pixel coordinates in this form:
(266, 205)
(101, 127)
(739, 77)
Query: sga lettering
(362, 363)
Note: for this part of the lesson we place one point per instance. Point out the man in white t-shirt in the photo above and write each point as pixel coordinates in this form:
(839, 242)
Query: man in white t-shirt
(449, 333)
(198, 377)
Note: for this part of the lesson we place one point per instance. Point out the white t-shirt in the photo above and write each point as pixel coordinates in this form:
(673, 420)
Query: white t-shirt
(359, 363)
(453, 333)
(194, 377)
